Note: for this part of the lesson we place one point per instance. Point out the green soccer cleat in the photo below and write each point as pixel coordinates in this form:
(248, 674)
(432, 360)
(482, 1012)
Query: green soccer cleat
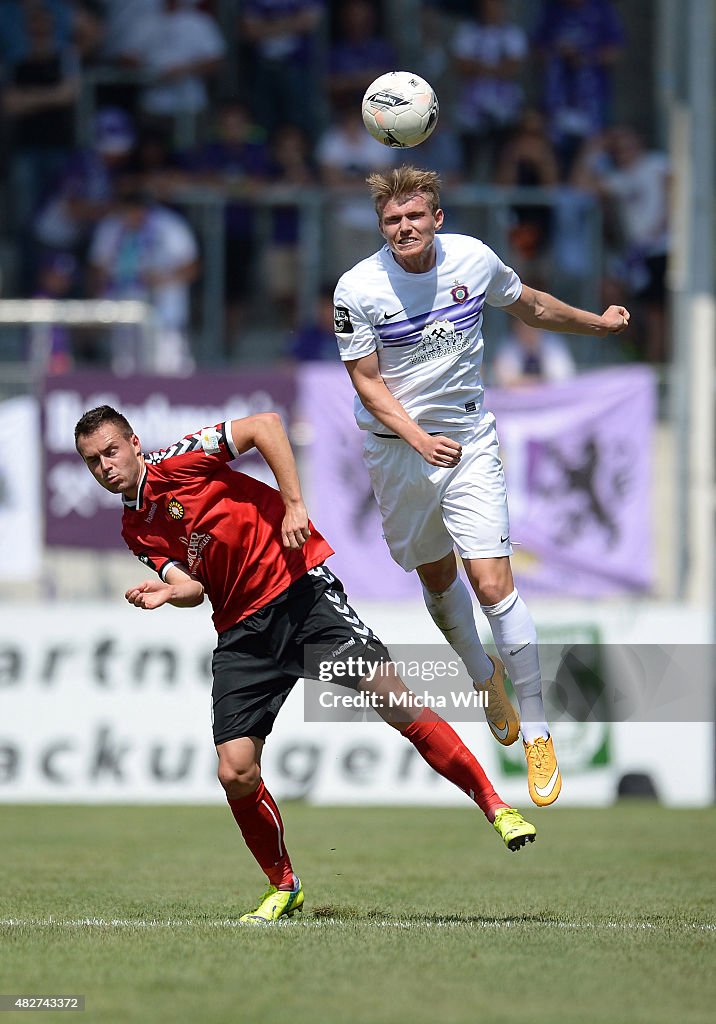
(514, 830)
(275, 904)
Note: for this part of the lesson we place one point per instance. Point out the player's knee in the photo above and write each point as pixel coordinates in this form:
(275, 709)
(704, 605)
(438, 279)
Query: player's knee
(239, 778)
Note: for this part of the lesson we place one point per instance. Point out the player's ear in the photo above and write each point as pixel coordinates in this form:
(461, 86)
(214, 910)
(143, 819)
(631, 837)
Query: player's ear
(136, 443)
(439, 217)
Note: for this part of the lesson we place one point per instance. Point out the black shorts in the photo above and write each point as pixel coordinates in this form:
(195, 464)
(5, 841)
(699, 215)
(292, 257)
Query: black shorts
(257, 662)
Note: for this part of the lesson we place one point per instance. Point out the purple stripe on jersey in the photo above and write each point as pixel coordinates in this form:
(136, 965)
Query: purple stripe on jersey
(406, 332)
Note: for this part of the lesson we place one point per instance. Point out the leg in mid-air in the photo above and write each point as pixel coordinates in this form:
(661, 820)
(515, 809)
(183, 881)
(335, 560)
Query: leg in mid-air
(515, 637)
(441, 747)
(450, 605)
(257, 815)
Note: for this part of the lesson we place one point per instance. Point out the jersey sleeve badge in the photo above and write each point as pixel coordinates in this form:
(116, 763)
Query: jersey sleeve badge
(211, 441)
(342, 320)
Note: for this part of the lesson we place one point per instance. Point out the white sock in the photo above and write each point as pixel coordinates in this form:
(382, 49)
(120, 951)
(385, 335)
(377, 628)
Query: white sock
(515, 637)
(452, 613)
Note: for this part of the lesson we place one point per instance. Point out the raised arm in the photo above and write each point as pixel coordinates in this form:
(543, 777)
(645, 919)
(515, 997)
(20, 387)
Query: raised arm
(266, 433)
(540, 309)
(379, 402)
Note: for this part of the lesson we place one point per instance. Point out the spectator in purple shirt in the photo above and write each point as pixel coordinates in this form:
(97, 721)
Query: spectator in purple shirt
(315, 341)
(236, 160)
(85, 188)
(579, 41)
(359, 52)
(282, 62)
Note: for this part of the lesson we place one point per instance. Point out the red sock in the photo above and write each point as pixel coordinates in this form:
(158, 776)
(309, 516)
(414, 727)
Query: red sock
(439, 744)
(260, 822)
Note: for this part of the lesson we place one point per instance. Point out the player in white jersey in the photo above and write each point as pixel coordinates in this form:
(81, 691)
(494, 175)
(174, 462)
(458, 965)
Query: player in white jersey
(409, 326)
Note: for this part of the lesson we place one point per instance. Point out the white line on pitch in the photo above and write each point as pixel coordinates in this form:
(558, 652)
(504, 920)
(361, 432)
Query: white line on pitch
(322, 922)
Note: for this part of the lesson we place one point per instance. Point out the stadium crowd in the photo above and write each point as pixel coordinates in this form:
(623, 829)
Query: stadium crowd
(118, 114)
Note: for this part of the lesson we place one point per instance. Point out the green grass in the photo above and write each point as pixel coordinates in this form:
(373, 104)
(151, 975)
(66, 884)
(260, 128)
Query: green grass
(412, 915)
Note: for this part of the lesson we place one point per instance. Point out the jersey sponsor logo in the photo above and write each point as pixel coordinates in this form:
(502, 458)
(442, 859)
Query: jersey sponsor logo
(342, 320)
(408, 331)
(195, 544)
(439, 338)
(211, 440)
(151, 513)
(389, 316)
(460, 293)
(175, 509)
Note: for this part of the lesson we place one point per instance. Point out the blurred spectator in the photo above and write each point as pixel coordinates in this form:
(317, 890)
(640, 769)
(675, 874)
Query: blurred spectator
(236, 160)
(291, 169)
(315, 341)
(283, 62)
(528, 355)
(359, 53)
(141, 250)
(579, 41)
(154, 166)
(14, 35)
(122, 17)
(489, 51)
(42, 86)
(345, 154)
(528, 159)
(179, 48)
(634, 183)
(50, 345)
(86, 186)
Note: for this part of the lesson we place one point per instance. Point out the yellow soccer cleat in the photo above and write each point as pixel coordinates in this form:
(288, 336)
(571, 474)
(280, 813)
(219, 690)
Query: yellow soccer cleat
(501, 716)
(543, 776)
(514, 830)
(275, 904)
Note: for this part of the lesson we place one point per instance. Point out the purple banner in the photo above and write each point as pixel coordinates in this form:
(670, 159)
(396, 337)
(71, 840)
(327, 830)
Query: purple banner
(578, 460)
(578, 466)
(341, 497)
(79, 513)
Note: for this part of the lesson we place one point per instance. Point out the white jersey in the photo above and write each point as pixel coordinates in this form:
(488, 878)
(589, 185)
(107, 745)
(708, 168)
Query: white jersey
(426, 328)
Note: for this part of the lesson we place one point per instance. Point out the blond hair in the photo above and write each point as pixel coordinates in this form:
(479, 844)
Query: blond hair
(403, 183)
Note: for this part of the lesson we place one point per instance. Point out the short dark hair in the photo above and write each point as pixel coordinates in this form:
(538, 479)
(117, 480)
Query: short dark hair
(93, 419)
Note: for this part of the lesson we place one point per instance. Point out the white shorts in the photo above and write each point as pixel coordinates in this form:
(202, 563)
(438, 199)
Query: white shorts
(428, 511)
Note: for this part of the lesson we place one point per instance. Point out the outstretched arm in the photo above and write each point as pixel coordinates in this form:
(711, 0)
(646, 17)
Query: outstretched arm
(179, 589)
(266, 433)
(377, 399)
(540, 309)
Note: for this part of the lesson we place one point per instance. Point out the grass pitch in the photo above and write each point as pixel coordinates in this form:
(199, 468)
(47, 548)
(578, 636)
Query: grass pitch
(412, 915)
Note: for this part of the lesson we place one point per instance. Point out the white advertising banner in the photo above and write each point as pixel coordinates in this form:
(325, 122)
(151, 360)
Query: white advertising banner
(20, 516)
(103, 703)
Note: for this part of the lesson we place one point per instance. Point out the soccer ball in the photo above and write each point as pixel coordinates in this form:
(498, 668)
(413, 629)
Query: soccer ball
(400, 109)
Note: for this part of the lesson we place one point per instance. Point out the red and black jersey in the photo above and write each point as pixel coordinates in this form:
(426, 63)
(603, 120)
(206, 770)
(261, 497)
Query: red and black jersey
(224, 526)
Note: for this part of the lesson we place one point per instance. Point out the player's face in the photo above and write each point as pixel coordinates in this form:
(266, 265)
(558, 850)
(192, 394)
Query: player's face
(113, 460)
(408, 225)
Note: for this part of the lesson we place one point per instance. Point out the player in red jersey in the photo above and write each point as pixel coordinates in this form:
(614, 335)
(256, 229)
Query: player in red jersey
(278, 611)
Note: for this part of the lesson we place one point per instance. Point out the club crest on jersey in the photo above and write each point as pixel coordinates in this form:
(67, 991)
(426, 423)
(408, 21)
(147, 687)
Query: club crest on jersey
(460, 293)
(175, 509)
(342, 320)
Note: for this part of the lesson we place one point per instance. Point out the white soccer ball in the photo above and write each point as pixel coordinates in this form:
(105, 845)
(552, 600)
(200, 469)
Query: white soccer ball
(400, 109)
